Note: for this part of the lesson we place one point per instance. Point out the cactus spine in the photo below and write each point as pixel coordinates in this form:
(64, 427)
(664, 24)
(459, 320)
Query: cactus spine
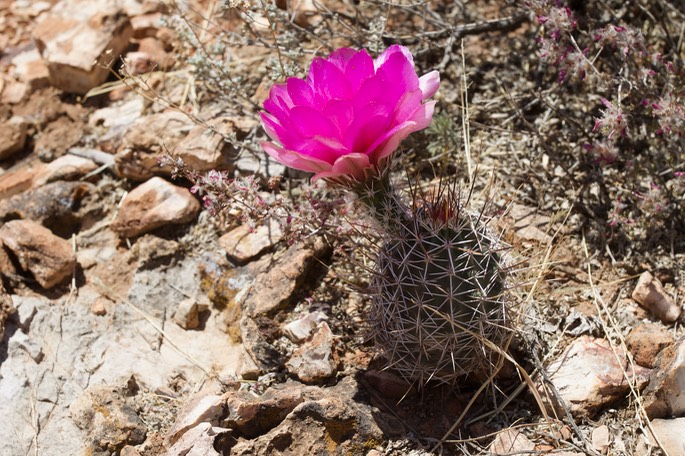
(437, 291)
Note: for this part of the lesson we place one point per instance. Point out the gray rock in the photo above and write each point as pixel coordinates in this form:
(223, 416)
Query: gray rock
(316, 360)
(670, 435)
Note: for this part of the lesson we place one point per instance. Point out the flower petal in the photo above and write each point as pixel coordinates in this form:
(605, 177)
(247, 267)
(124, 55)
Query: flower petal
(310, 123)
(391, 140)
(392, 50)
(327, 81)
(429, 83)
(300, 92)
(359, 68)
(295, 160)
(367, 125)
(354, 165)
(342, 57)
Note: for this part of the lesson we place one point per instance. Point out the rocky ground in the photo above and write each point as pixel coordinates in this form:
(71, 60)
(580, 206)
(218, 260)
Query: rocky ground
(135, 322)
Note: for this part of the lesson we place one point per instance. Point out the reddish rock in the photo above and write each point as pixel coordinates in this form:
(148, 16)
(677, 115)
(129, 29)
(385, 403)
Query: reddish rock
(153, 204)
(589, 376)
(30, 69)
(198, 441)
(243, 244)
(17, 180)
(665, 394)
(13, 137)
(79, 40)
(206, 149)
(149, 57)
(203, 407)
(316, 360)
(146, 25)
(300, 329)
(273, 289)
(650, 294)
(67, 167)
(510, 442)
(49, 258)
(646, 341)
(187, 314)
(146, 140)
(389, 385)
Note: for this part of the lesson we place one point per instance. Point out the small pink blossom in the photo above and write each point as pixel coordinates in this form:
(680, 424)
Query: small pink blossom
(613, 120)
(349, 114)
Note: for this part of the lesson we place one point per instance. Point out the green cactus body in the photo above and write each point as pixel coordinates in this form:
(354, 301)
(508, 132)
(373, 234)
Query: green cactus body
(438, 291)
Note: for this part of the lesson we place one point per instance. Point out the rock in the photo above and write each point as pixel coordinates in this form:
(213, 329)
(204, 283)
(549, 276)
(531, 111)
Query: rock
(53, 205)
(329, 421)
(146, 25)
(149, 57)
(187, 315)
(13, 136)
(251, 416)
(6, 309)
(243, 244)
(15, 92)
(111, 423)
(201, 408)
(206, 149)
(300, 329)
(665, 395)
(199, 441)
(389, 385)
(316, 360)
(79, 40)
(21, 341)
(510, 442)
(588, 376)
(49, 258)
(646, 341)
(17, 180)
(114, 120)
(650, 294)
(26, 310)
(146, 140)
(153, 204)
(30, 69)
(273, 289)
(98, 307)
(670, 435)
(262, 353)
(67, 168)
(601, 439)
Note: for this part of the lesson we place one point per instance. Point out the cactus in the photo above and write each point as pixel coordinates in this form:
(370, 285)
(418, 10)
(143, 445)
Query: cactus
(437, 291)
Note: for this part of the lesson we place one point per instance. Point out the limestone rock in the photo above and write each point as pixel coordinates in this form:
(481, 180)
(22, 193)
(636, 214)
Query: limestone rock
(187, 314)
(49, 258)
(646, 341)
(588, 376)
(665, 395)
(153, 204)
(273, 289)
(650, 294)
(79, 40)
(242, 244)
(316, 360)
(110, 422)
(13, 136)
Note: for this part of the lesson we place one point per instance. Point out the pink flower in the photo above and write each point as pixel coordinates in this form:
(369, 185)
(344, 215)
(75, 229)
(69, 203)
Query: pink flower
(349, 115)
